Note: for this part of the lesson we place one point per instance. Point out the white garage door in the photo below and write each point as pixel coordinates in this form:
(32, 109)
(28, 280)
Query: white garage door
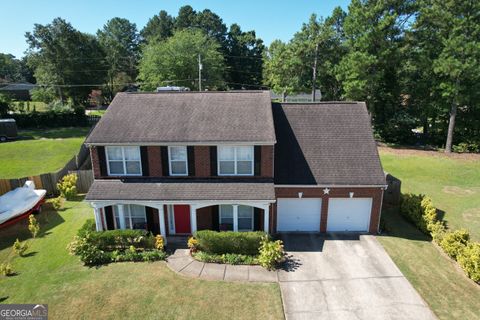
(345, 214)
(298, 214)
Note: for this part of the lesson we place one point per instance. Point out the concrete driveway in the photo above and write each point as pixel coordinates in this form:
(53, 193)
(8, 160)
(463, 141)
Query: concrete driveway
(345, 277)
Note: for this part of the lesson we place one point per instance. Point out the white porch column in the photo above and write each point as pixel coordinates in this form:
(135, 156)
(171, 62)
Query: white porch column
(98, 219)
(266, 218)
(161, 219)
(235, 217)
(121, 216)
(193, 218)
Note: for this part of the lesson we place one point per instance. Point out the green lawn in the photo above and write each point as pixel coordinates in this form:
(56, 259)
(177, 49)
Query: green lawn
(453, 184)
(97, 112)
(448, 292)
(39, 151)
(121, 290)
(37, 105)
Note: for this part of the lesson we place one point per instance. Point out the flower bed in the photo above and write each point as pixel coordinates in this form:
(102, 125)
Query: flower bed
(95, 248)
(236, 248)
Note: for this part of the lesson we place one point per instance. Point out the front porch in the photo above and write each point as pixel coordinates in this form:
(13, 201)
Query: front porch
(180, 219)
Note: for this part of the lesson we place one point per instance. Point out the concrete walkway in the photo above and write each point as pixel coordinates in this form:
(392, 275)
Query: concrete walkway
(183, 263)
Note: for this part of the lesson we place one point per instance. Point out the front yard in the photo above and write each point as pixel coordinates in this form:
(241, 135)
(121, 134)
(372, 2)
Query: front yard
(39, 151)
(48, 274)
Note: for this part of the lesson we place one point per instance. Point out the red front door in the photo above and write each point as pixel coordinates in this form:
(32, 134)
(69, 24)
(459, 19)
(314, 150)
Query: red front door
(182, 218)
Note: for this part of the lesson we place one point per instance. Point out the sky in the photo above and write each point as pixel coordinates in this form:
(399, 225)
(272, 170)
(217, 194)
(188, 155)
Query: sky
(270, 19)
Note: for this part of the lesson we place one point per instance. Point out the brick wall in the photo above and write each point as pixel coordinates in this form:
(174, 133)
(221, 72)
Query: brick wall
(154, 161)
(205, 218)
(202, 161)
(374, 193)
(95, 163)
(266, 168)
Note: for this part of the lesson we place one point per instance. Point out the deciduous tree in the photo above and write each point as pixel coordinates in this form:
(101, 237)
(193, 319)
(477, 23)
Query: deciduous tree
(175, 62)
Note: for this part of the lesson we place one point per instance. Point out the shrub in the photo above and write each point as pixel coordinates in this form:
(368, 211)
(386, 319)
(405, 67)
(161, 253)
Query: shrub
(419, 210)
(33, 226)
(469, 260)
(229, 258)
(57, 203)
(88, 252)
(453, 242)
(50, 119)
(271, 253)
(88, 227)
(192, 244)
(68, 186)
(465, 147)
(6, 269)
(122, 239)
(159, 242)
(246, 243)
(154, 255)
(437, 230)
(20, 247)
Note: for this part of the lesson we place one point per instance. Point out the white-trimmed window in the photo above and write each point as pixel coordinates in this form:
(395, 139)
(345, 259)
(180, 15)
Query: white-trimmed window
(244, 218)
(135, 216)
(177, 161)
(226, 217)
(235, 161)
(123, 161)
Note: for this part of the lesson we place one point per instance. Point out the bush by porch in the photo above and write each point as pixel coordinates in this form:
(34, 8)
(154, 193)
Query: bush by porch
(229, 247)
(94, 247)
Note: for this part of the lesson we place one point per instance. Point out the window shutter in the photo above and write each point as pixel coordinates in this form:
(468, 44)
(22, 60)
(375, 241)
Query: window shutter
(150, 222)
(144, 158)
(257, 151)
(103, 161)
(213, 162)
(191, 161)
(256, 218)
(109, 217)
(164, 154)
(215, 218)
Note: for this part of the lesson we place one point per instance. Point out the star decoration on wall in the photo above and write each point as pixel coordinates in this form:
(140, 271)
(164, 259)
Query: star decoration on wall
(326, 191)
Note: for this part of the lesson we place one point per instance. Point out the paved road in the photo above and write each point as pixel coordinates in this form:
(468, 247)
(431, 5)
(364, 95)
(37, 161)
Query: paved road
(345, 277)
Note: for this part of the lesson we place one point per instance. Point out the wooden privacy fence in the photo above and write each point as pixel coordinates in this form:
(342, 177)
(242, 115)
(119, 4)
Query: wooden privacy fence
(84, 180)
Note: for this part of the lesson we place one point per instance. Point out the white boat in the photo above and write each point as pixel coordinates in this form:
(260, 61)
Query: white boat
(20, 203)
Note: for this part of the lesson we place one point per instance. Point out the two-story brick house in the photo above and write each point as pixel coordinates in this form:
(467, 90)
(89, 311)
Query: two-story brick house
(174, 163)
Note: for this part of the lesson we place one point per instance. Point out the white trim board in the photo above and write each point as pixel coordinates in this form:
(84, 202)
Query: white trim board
(383, 186)
(184, 143)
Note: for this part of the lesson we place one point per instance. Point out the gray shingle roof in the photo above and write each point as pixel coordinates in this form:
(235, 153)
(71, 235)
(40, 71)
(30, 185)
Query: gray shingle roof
(155, 118)
(145, 190)
(325, 143)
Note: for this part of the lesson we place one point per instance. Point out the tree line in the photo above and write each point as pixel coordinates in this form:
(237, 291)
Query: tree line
(415, 62)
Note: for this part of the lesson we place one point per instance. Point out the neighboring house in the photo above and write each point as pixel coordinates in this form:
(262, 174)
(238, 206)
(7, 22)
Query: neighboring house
(18, 91)
(178, 162)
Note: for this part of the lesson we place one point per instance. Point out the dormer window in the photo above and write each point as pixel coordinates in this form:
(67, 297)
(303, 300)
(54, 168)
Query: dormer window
(177, 161)
(123, 161)
(235, 160)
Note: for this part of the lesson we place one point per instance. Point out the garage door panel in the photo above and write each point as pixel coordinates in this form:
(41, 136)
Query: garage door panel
(299, 214)
(349, 214)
